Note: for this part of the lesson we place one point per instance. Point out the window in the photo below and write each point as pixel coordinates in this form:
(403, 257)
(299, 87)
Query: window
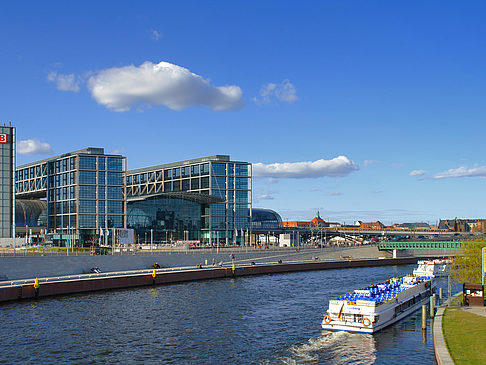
(101, 163)
(87, 206)
(241, 196)
(101, 192)
(86, 163)
(167, 187)
(116, 178)
(87, 177)
(205, 169)
(114, 164)
(185, 185)
(204, 182)
(186, 171)
(101, 177)
(101, 206)
(167, 174)
(241, 170)
(194, 184)
(219, 168)
(177, 173)
(195, 170)
(87, 221)
(218, 182)
(114, 192)
(115, 207)
(218, 193)
(241, 183)
(87, 192)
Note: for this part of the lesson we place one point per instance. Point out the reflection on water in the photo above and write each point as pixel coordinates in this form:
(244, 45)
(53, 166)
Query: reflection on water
(271, 319)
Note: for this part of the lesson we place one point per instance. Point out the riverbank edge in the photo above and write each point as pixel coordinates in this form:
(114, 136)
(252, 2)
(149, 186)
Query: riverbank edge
(442, 355)
(98, 282)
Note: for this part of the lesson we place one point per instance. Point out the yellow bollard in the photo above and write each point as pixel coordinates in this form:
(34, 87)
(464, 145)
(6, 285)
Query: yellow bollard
(154, 274)
(233, 267)
(36, 283)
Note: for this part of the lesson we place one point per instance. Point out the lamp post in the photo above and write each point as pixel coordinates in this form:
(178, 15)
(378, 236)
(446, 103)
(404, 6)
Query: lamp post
(151, 241)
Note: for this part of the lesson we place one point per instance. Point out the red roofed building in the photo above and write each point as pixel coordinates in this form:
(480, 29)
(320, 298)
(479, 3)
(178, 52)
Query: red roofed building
(371, 225)
(318, 222)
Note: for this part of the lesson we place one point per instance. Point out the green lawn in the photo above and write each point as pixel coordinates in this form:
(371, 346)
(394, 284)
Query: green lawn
(465, 336)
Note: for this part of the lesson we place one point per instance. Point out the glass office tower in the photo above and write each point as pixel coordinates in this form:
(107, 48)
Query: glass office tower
(84, 191)
(7, 191)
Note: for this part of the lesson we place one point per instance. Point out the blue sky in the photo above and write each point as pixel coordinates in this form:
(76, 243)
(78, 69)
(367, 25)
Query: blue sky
(395, 88)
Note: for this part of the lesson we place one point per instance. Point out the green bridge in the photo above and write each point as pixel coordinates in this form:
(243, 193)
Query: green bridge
(417, 245)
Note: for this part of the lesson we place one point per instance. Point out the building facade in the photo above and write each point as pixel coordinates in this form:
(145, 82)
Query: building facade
(84, 191)
(205, 199)
(7, 186)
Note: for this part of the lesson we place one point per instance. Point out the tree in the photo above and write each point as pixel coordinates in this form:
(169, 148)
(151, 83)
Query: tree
(467, 265)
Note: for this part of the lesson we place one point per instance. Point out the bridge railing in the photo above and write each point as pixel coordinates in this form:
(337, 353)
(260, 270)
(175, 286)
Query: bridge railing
(420, 245)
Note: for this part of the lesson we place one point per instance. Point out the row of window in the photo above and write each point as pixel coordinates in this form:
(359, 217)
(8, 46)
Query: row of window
(31, 172)
(100, 178)
(89, 192)
(189, 171)
(86, 221)
(100, 163)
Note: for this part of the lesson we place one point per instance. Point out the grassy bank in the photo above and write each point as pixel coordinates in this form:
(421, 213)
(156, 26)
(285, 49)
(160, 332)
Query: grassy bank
(465, 336)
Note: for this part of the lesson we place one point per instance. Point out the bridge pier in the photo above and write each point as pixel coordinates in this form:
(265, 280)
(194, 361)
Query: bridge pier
(394, 253)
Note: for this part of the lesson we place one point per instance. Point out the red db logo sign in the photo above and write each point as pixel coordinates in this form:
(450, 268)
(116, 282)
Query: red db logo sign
(3, 137)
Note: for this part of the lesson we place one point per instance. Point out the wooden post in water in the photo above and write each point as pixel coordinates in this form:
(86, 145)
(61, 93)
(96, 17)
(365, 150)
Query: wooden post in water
(440, 296)
(424, 317)
(432, 306)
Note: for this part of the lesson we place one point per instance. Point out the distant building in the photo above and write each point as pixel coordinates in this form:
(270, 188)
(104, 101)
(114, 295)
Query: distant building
(412, 226)
(463, 225)
(371, 225)
(318, 222)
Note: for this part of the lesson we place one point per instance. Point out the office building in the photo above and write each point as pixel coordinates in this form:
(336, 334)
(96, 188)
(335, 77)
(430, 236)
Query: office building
(205, 199)
(7, 187)
(84, 191)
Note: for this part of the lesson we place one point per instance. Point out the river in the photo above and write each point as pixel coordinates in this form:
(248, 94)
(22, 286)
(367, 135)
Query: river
(269, 319)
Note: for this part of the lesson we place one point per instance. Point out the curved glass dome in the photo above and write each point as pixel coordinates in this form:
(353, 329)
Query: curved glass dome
(268, 218)
(31, 213)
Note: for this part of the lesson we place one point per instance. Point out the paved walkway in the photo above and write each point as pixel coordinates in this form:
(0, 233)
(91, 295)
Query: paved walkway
(480, 311)
(441, 353)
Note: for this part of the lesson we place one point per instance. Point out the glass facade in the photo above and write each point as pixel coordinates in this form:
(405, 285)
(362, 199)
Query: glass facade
(84, 191)
(7, 171)
(214, 176)
(170, 219)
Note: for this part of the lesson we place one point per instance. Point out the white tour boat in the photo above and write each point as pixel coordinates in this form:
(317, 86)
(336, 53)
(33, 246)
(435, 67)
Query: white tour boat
(372, 309)
(433, 268)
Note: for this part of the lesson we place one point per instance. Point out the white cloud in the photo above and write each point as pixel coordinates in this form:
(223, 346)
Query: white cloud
(264, 197)
(337, 167)
(121, 88)
(156, 35)
(285, 91)
(418, 172)
(370, 162)
(334, 193)
(32, 146)
(64, 82)
(463, 171)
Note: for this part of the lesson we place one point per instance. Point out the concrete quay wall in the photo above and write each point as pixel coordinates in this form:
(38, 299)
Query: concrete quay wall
(26, 267)
(97, 282)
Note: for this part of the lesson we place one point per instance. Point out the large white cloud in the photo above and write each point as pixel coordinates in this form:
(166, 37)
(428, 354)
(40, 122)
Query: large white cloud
(336, 167)
(463, 171)
(32, 146)
(121, 88)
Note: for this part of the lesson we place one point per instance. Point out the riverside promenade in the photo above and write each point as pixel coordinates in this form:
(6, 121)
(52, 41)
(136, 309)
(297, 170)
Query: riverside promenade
(235, 265)
(442, 354)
